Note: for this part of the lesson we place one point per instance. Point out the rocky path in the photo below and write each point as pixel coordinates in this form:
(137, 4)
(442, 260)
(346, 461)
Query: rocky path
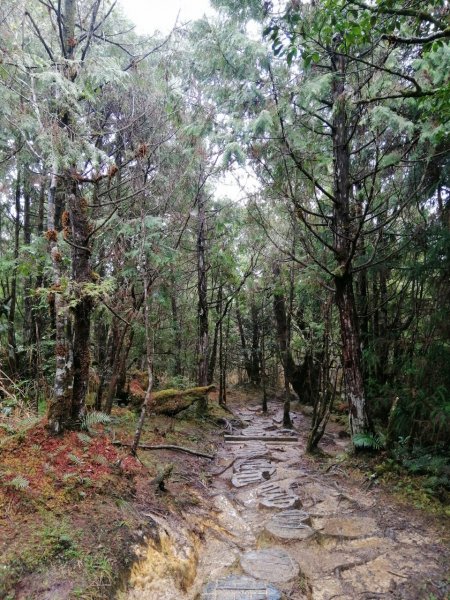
(281, 529)
(291, 532)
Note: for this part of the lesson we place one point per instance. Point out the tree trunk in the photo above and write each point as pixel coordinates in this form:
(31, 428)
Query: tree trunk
(81, 275)
(120, 359)
(149, 363)
(178, 342)
(344, 238)
(59, 408)
(12, 344)
(202, 308)
(255, 352)
(263, 361)
(279, 309)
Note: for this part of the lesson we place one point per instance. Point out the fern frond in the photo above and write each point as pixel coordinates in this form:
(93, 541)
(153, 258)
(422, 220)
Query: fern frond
(368, 440)
(84, 438)
(75, 459)
(95, 418)
(19, 482)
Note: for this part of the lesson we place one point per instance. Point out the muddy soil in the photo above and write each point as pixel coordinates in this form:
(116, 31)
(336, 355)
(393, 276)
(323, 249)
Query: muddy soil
(279, 527)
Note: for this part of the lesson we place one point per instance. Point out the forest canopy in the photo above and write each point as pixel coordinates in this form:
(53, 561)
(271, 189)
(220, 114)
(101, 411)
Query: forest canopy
(326, 275)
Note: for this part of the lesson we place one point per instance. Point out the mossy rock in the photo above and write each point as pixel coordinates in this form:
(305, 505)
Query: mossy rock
(170, 402)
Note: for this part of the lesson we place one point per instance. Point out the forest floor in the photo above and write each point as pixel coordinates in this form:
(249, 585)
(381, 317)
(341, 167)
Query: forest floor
(80, 519)
(342, 536)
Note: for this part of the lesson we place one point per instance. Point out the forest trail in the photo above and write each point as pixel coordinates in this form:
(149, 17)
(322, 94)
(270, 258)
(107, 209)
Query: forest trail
(281, 529)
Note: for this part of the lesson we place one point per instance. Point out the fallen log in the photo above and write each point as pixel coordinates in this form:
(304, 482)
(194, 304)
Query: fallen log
(166, 447)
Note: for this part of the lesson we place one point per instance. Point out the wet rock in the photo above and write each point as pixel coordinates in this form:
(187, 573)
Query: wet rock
(247, 478)
(291, 525)
(273, 495)
(270, 564)
(239, 588)
(232, 522)
(254, 464)
(348, 527)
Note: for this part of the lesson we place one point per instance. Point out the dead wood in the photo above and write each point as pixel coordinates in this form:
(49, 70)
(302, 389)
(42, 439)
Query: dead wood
(166, 447)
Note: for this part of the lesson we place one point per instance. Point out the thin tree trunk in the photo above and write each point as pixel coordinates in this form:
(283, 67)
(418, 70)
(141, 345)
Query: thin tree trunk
(255, 352)
(263, 360)
(149, 362)
(178, 342)
(245, 352)
(279, 309)
(218, 325)
(12, 344)
(202, 308)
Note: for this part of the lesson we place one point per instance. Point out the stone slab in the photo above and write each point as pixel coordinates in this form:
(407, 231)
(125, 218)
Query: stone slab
(239, 588)
(272, 495)
(260, 438)
(291, 525)
(348, 527)
(270, 564)
(254, 464)
(247, 478)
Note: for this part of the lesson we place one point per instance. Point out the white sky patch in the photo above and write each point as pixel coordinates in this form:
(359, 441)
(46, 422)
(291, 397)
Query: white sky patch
(162, 15)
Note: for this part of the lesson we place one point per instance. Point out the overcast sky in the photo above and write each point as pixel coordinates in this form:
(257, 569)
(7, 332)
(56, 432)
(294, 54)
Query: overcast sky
(149, 15)
(162, 14)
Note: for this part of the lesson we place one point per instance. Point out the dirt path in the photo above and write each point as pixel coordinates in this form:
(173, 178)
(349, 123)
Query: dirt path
(279, 529)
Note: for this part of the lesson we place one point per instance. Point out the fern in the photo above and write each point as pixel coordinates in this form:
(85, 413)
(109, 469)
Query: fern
(368, 441)
(95, 418)
(7, 428)
(19, 482)
(84, 438)
(76, 460)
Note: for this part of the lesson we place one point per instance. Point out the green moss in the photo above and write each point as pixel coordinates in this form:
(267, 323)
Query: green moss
(190, 393)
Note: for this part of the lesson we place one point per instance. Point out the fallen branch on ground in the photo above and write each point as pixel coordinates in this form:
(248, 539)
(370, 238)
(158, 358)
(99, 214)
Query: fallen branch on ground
(166, 447)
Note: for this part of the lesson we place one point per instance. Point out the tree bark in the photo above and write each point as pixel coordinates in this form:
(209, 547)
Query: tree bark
(344, 240)
(12, 343)
(81, 276)
(279, 309)
(202, 307)
(59, 408)
(149, 363)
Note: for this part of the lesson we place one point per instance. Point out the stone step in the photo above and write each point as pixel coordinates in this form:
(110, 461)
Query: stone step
(260, 438)
(238, 587)
(270, 564)
(291, 525)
